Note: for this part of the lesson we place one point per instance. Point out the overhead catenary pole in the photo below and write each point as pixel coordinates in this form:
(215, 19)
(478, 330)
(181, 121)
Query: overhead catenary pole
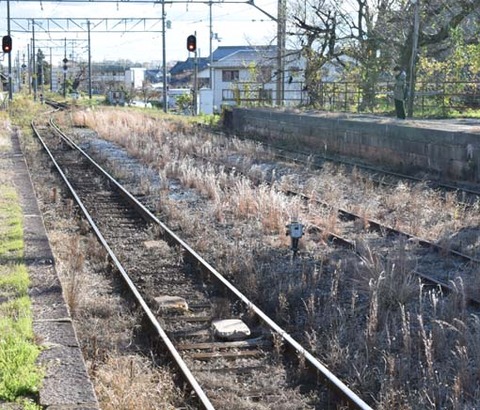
(40, 73)
(51, 70)
(34, 64)
(164, 59)
(29, 69)
(89, 63)
(18, 72)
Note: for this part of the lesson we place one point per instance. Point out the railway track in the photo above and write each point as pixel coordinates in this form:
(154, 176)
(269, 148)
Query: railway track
(466, 193)
(434, 264)
(189, 304)
(57, 105)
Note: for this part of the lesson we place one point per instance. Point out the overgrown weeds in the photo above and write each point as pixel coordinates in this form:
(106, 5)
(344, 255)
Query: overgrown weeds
(130, 383)
(365, 316)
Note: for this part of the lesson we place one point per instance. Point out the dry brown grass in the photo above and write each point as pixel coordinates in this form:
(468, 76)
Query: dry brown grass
(71, 262)
(130, 383)
(366, 317)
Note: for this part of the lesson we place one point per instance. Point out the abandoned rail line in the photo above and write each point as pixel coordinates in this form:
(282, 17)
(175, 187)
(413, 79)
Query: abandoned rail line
(434, 264)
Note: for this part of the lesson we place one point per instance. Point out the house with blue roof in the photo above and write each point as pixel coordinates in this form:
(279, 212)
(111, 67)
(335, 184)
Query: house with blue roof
(181, 74)
(241, 75)
(249, 75)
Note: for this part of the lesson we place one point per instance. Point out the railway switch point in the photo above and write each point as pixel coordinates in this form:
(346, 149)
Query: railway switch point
(230, 329)
(171, 303)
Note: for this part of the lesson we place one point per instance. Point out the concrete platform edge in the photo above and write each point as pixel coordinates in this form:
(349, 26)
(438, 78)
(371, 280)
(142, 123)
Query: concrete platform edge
(66, 384)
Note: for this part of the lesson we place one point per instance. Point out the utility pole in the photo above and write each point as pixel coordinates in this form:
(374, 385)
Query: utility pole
(281, 34)
(164, 59)
(413, 59)
(10, 91)
(195, 82)
(211, 47)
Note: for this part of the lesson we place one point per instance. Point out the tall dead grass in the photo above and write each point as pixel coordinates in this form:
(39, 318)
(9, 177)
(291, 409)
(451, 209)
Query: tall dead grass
(365, 315)
(130, 383)
(71, 257)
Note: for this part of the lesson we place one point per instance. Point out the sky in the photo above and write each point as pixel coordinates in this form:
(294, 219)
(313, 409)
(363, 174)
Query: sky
(235, 23)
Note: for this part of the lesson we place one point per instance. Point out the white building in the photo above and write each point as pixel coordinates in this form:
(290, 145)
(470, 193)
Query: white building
(134, 77)
(247, 75)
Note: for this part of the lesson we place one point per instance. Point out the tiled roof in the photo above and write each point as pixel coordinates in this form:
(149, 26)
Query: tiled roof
(189, 65)
(224, 51)
(242, 54)
(153, 75)
(242, 58)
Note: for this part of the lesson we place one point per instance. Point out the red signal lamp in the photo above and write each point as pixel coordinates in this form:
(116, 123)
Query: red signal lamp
(7, 44)
(191, 43)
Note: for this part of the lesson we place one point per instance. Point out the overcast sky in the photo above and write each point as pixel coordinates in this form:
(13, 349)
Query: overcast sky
(233, 23)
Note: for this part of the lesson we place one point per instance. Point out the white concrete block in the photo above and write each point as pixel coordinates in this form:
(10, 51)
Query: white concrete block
(231, 329)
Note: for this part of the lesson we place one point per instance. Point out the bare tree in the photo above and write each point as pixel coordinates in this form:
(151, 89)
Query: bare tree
(373, 35)
(315, 28)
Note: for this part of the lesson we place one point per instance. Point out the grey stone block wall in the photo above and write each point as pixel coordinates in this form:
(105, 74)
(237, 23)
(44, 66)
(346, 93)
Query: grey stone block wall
(445, 148)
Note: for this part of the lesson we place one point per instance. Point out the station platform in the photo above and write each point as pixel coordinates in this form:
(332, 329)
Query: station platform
(446, 149)
(66, 384)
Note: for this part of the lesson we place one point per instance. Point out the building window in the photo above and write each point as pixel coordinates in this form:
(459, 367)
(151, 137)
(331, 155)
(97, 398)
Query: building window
(229, 75)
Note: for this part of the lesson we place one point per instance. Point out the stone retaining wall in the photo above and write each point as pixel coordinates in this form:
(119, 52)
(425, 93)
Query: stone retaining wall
(447, 149)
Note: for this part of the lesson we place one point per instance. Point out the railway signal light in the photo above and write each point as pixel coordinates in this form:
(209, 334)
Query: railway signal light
(7, 44)
(191, 43)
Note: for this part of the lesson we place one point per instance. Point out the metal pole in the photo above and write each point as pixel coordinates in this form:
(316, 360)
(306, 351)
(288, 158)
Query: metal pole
(10, 91)
(51, 71)
(195, 84)
(41, 75)
(89, 63)
(211, 46)
(413, 60)
(29, 60)
(281, 33)
(164, 58)
(18, 72)
(64, 70)
(34, 63)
